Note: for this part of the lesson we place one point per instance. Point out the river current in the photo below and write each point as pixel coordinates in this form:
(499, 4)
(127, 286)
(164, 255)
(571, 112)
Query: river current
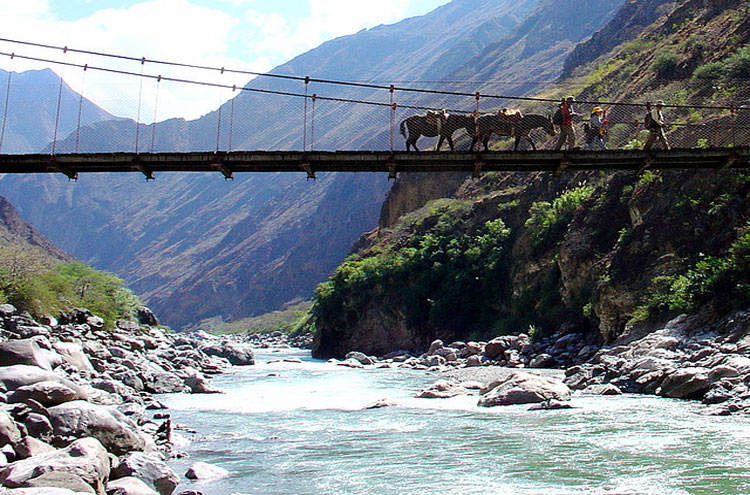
(300, 428)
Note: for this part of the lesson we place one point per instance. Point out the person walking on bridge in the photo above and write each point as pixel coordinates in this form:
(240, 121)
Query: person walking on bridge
(596, 130)
(567, 132)
(655, 125)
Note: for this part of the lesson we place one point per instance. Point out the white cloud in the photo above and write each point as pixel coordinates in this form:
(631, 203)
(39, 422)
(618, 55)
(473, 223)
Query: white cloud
(171, 30)
(181, 31)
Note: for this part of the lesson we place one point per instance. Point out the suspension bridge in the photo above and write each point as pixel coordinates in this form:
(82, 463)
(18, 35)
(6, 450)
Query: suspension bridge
(229, 163)
(309, 131)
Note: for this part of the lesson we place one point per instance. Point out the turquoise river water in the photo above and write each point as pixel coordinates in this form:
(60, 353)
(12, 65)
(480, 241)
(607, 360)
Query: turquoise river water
(294, 429)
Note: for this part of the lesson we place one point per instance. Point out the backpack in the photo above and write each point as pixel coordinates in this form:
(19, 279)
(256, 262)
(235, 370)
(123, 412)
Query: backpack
(557, 118)
(649, 122)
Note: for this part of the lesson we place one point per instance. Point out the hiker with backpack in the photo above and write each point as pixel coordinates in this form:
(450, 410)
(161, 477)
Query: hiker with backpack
(595, 129)
(564, 118)
(655, 124)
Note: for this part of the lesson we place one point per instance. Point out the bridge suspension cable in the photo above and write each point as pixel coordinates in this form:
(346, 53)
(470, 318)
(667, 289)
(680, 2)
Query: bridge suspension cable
(308, 79)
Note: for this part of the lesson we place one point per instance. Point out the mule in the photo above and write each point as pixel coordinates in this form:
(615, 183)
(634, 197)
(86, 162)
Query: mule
(497, 124)
(427, 124)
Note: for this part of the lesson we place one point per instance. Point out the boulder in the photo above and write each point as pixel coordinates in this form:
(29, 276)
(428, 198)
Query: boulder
(442, 389)
(685, 383)
(48, 393)
(542, 361)
(381, 403)
(146, 317)
(237, 355)
(361, 357)
(113, 429)
(42, 490)
(199, 385)
(38, 426)
(24, 351)
(602, 389)
(523, 388)
(129, 486)
(81, 467)
(30, 447)
(7, 309)
(74, 355)
(205, 471)
(9, 433)
(148, 468)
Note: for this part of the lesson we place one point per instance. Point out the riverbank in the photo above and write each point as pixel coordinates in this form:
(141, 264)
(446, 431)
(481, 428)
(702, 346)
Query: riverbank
(77, 402)
(690, 357)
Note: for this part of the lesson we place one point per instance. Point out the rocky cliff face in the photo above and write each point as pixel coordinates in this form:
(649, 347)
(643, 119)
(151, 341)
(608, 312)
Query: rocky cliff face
(605, 256)
(15, 231)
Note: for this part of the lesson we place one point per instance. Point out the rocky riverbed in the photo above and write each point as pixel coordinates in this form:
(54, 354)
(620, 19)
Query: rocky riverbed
(77, 412)
(691, 357)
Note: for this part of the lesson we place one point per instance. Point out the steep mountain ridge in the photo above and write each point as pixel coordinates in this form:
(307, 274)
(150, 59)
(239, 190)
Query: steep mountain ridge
(32, 110)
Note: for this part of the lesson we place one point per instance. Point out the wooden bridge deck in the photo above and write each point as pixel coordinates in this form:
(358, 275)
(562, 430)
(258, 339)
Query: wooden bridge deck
(229, 163)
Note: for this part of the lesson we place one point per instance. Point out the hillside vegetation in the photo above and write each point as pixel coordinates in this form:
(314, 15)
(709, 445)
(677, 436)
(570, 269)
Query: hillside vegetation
(37, 277)
(605, 255)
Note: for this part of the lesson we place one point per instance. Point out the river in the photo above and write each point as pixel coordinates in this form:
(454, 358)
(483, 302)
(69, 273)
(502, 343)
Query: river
(294, 429)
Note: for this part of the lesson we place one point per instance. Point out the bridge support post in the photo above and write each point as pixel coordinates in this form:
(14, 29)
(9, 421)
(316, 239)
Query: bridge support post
(56, 167)
(144, 170)
(391, 169)
(477, 171)
(308, 170)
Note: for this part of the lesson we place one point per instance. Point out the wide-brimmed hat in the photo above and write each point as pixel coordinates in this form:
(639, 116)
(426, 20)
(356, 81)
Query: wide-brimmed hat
(597, 110)
(659, 103)
(570, 98)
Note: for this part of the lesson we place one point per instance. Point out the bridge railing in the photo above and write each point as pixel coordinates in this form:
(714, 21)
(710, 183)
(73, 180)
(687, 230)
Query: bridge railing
(43, 115)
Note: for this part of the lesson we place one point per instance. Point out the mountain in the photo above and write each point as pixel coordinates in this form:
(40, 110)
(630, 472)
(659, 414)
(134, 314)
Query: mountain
(32, 110)
(14, 231)
(597, 258)
(195, 246)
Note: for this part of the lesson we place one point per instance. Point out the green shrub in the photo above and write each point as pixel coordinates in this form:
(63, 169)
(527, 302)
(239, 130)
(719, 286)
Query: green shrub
(32, 282)
(548, 220)
(665, 65)
(710, 71)
(723, 280)
(442, 279)
(738, 64)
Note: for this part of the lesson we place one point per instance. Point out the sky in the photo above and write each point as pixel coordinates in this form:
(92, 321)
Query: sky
(252, 35)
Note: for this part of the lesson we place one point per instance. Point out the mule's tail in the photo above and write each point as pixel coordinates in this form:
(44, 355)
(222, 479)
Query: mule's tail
(402, 128)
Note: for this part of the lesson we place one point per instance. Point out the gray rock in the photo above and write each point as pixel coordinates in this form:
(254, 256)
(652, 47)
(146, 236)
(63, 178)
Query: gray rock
(523, 388)
(113, 429)
(48, 393)
(361, 357)
(198, 385)
(150, 469)
(542, 361)
(81, 467)
(129, 486)
(238, 356)
(30, 447)
(38, 426)
(685, 383)
(146, 317)
(205, 471)
(74, 355)
(550, 405)
(7, 309)
(381, 403)
(42, 490)
(602, 389)
(24, 351)
(9, 432)
(442, 389)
